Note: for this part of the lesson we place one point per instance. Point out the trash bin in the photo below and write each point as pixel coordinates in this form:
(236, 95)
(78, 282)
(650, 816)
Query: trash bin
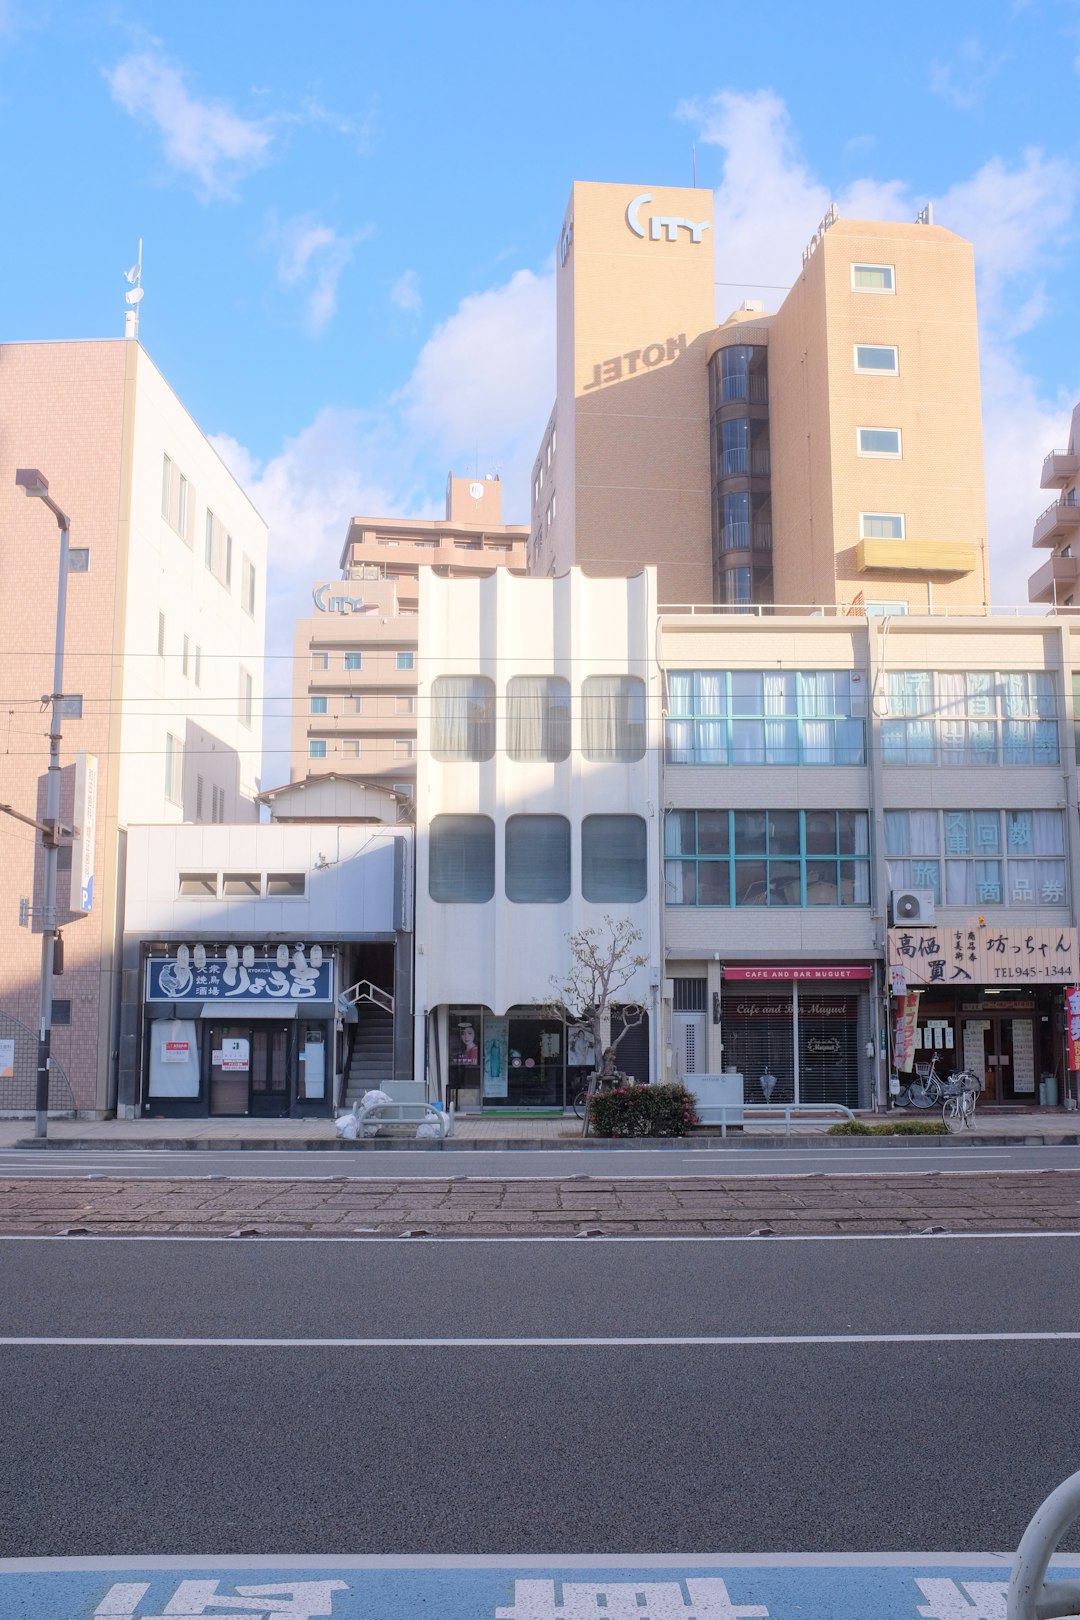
(1048, 1091)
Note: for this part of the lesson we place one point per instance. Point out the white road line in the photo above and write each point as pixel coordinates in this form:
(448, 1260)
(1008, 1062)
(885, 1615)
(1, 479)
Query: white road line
(708, 1341)
(543, 1561)
(362, 1239)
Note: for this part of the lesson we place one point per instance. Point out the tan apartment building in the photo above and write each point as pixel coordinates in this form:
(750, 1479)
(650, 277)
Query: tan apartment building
(1058, 527)
(355, 655)
(163, 674)
(828, 453)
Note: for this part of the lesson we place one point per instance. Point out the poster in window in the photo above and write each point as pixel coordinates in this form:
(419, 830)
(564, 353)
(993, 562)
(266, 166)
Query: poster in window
(7, 1060)
(495, 1058)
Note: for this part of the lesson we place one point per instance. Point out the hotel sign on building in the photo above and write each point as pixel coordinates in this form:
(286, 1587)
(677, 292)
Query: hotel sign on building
(984, 955)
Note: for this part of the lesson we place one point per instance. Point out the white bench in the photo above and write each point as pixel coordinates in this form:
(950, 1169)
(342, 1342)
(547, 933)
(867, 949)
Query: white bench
(403, 1113)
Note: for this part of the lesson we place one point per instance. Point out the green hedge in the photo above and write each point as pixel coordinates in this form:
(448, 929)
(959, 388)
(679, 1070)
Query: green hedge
(660, 1110)
(901, 1127)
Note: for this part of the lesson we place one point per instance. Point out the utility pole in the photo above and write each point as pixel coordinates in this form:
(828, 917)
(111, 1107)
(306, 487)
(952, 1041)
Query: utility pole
(37, 485)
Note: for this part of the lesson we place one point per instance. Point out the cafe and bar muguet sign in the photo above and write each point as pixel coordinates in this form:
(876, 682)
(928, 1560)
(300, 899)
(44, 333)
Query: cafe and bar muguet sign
(286, 975)
(984, 955)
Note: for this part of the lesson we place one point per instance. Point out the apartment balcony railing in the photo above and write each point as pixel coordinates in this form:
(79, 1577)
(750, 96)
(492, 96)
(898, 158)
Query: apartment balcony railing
(743, 461)
(746, 536)
(1060, 521)
(1058, 467)
(1057, 576)
(751, 387)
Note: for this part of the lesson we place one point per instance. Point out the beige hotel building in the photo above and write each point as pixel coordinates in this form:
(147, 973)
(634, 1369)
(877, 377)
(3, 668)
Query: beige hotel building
(827, 454)
(355, 655)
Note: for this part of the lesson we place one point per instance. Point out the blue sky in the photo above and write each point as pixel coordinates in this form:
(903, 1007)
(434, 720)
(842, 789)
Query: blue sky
(348, 211)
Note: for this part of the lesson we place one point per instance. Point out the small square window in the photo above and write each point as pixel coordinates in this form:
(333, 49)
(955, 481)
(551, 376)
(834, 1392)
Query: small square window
(318, 705)
(406, 660)
(354, 660)
(403, 748)
(404, 705)
(316, 748)
(320, 660)
(242, 883)
(877, 359)
(61, 1012)
(882, 442)
(285, 885)
(881, 525)
(873, 278)
(350, 747)
(198, 886)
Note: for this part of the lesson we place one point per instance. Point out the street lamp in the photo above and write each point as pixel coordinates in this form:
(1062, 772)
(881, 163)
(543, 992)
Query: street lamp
(37, 485)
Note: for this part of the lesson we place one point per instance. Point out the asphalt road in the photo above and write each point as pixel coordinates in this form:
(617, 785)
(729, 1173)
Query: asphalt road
(726, 1398)
(800, 1157)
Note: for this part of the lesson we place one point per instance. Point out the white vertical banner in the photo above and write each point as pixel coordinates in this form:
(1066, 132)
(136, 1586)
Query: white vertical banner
(82, 848)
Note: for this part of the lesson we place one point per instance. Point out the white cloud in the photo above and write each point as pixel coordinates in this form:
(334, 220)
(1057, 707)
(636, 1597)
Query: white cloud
(312, 257)
(768, 204)
(205, 140)
(405, 293)
(963, 80)
(483, 382)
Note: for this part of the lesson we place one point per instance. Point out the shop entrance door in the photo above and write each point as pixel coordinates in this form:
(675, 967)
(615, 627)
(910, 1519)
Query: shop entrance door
(1008, 1059)
(270, 1071)
(230, 1068)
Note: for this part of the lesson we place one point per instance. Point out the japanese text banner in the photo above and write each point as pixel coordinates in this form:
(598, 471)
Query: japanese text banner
(984, 955)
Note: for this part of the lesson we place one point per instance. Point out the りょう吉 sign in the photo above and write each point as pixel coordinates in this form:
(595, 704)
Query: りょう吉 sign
(290, 976)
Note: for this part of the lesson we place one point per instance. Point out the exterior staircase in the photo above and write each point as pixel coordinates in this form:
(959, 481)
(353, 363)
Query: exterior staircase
(371, 1067)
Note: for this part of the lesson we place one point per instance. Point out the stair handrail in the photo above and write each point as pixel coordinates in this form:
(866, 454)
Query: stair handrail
(364, 990)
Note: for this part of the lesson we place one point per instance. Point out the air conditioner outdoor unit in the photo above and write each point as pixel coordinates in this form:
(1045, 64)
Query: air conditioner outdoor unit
(912, 905)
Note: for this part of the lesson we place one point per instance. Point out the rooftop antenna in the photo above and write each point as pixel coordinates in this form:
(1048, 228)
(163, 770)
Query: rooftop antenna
(693, 162)
(133, 298)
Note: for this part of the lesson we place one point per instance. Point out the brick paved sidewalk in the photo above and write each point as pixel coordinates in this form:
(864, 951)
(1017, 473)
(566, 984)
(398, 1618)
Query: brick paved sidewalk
(816, 1205)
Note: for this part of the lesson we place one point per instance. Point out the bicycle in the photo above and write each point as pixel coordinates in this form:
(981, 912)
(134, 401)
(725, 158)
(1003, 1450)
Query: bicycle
(923, 1090)
(962, 1093)
(597, 1086)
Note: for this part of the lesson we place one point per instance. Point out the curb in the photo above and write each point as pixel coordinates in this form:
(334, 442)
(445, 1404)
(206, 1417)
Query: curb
(715, 1144)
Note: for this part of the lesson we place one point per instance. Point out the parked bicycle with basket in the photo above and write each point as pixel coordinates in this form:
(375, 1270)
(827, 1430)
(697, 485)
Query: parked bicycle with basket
(961, 1093)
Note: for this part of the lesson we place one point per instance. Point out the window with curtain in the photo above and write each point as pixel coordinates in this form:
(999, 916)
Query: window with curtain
(613, 858)
(537, 859)
(461, 859)
(756, 717)
(953, 717)
(613, 718)
(462, 717)
(538, 717)
(773, 858)
(979, 857)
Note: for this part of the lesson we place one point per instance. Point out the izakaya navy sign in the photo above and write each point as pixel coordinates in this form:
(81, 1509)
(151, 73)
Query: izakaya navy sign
(239, 976)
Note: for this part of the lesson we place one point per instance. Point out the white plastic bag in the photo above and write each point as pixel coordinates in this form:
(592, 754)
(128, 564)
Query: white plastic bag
(429, 1129)
(345, 1126)
(370, 1098)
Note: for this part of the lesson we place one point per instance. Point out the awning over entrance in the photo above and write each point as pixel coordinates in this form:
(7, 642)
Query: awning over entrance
(239, 1012)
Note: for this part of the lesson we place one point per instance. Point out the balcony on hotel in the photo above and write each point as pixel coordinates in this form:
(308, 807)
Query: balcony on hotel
(1058, 575)
(1059, 468)
(916, 556)
(1060, 522)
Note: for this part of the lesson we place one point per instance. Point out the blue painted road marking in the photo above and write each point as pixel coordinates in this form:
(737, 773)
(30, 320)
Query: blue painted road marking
(863, 1587)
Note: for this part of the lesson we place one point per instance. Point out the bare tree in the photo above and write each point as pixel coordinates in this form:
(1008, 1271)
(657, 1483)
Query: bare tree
(603, 961)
